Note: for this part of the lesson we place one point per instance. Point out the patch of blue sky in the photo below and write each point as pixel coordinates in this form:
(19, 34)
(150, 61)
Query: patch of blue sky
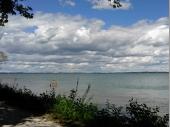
(140, 10)
(30, 29)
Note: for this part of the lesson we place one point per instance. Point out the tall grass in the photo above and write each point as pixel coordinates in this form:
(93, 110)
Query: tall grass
(74, 108)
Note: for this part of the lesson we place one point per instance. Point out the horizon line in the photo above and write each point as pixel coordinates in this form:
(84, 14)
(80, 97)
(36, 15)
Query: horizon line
(83, 72)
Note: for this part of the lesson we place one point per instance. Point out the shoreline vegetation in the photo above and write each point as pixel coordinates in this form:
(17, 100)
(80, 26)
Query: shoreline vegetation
(76, 111)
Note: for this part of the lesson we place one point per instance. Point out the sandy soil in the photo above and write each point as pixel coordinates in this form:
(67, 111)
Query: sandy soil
(13, 117)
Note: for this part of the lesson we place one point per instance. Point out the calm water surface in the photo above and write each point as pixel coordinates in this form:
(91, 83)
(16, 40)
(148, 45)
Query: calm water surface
(151, 88)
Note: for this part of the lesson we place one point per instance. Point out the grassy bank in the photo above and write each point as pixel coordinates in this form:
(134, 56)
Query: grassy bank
(79, 111)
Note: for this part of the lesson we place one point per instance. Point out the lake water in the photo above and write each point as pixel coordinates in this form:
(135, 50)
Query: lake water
(118, 88)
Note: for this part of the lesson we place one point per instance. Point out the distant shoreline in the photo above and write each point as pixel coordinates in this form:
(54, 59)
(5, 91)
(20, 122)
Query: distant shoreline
(75, 72)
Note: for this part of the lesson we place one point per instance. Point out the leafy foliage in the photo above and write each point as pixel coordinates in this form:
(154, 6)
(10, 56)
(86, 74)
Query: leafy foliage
(65, 108)
(136, 115)
(73, 107)
(115, 3)
(3, 57)
(140, 115)
(13, 7)
(25, 99)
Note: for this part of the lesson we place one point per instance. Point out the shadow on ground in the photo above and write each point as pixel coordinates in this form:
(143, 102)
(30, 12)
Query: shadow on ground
(12, 116)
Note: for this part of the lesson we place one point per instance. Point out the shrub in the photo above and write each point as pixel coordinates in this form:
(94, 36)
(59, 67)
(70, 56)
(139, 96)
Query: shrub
(25, 99)
(140, 115)
(73, 107)
(136, 115)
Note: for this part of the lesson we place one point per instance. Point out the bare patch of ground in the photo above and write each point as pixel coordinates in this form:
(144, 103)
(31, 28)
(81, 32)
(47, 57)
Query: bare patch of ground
(14, 117)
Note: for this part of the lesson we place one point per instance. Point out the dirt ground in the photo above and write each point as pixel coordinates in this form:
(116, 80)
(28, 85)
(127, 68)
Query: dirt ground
(14, 117)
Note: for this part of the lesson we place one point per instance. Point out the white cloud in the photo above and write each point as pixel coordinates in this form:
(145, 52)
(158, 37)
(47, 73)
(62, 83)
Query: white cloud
(67, 2)
(64, 43)
(104, 4)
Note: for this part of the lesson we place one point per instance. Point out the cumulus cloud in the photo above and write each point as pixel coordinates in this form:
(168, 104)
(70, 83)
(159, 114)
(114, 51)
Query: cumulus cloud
(104, 4)
(65, 43)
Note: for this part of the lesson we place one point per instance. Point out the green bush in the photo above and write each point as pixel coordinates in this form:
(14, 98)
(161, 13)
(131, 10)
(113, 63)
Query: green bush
(74, 108)
(140, 115)
(136, 115)
(25, 99)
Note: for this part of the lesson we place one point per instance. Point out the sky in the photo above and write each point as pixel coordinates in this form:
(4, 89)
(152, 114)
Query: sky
(87, 36)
